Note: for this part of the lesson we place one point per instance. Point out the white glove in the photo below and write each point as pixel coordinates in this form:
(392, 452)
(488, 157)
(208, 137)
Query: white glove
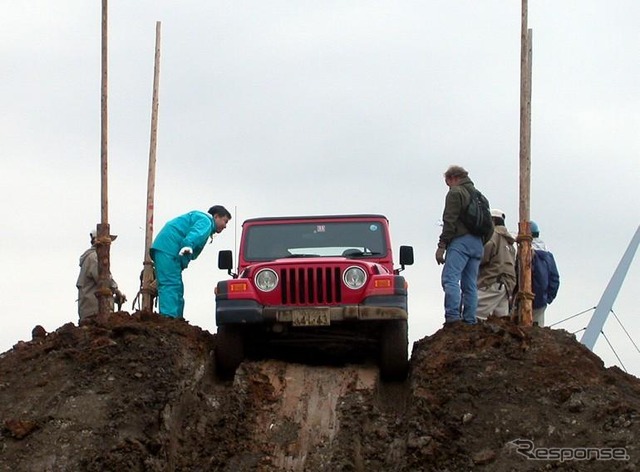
(186, 251)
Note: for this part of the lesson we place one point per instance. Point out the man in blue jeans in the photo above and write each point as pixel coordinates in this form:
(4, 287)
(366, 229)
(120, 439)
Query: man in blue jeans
(463, 251)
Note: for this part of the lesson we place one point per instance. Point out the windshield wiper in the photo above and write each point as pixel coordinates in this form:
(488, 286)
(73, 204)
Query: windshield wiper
(361, 253)
(292, 256)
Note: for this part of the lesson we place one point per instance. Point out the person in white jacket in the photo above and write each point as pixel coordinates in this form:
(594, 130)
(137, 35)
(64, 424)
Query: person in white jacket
(87, 283)
(497, 275)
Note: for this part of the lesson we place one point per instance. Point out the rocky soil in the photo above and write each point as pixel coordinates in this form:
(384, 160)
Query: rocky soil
(139, 393)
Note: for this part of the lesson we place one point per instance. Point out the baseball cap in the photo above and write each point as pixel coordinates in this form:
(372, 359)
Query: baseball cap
(94, 235)
(533, 226)
(497, 213)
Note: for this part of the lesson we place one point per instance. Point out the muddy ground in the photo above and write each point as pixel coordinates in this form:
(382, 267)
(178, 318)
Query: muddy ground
(139, 393)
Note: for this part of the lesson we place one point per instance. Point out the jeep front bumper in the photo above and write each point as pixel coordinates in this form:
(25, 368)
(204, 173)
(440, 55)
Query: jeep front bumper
(251, 312)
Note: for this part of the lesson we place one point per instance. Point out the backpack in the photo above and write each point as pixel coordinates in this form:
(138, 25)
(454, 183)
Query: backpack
(476, 217)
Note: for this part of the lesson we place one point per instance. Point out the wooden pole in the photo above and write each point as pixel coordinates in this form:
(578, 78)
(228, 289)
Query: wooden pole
(525, 295)
(104, 294)
(147, 272)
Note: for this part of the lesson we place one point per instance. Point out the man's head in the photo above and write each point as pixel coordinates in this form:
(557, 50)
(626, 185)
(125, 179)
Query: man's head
(535, 230)
(221, 216)
(454, 174)
(94, 236)
(498, 217)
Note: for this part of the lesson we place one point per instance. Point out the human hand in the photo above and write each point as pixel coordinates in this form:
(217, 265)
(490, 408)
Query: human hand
(440, 255)
(186, 251)
(120, 298)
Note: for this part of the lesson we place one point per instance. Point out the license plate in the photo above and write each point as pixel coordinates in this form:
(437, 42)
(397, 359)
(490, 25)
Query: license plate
(311, 317)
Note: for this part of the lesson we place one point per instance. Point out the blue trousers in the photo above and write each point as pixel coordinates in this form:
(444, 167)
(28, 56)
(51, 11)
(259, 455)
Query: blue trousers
(460, 278)
(170, 285)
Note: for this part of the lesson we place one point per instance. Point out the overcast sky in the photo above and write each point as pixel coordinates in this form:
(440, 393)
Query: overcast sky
(306, 107)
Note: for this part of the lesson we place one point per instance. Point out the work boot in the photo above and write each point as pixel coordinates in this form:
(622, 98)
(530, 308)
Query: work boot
(452, 324)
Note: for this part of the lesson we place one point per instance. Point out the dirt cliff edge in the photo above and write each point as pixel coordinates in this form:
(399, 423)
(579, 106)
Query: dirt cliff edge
(139, 393)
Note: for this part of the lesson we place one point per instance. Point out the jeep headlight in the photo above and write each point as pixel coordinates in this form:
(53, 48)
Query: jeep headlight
(266, 280)
(354, 277)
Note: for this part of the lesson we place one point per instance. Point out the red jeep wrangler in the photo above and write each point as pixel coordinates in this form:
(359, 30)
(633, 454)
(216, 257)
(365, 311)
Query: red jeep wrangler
(317, 282)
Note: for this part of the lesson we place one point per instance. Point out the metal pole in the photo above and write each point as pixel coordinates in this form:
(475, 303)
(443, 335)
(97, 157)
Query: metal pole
(147, 272)
(103, 243)
(525, 295)
(610, 294)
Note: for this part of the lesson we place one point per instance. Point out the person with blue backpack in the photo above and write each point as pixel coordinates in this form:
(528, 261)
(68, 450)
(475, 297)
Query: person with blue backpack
(545, 279)
(180, 241)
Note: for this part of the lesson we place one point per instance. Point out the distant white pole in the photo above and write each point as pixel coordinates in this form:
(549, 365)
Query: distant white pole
(610, 294)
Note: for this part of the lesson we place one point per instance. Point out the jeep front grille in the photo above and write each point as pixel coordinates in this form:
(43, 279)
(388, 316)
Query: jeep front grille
(311, 285)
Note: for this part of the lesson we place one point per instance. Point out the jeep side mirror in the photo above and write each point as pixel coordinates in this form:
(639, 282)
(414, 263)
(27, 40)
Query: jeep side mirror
(225, 260)
(406, 256)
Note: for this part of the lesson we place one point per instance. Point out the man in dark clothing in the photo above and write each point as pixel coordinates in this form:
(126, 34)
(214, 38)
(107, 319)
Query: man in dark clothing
(545, 279)
(463, 251)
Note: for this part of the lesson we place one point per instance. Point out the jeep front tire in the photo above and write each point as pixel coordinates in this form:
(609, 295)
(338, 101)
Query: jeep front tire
(229, 351)
(394, 342)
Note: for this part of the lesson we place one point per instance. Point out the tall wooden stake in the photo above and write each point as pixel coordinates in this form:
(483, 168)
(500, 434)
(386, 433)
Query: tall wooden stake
(147, 272)
(104, 294)
(525, 295)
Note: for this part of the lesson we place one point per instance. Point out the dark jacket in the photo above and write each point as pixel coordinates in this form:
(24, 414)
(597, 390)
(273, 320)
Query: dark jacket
(455, 203)
(545, 279)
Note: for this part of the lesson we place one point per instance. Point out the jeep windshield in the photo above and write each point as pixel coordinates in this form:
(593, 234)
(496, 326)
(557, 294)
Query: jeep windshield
(358, 239)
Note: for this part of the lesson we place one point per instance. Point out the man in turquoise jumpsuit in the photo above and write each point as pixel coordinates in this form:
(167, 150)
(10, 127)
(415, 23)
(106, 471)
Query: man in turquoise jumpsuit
(181, 240)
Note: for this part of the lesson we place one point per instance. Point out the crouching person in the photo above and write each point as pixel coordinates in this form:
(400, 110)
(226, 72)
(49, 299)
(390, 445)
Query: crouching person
(87, 283)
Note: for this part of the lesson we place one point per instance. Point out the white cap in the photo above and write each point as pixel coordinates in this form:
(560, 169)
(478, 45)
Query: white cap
(496, 213)
(94, 235)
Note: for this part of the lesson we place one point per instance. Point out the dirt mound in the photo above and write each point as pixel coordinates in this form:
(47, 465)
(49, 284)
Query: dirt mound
(138, 393)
